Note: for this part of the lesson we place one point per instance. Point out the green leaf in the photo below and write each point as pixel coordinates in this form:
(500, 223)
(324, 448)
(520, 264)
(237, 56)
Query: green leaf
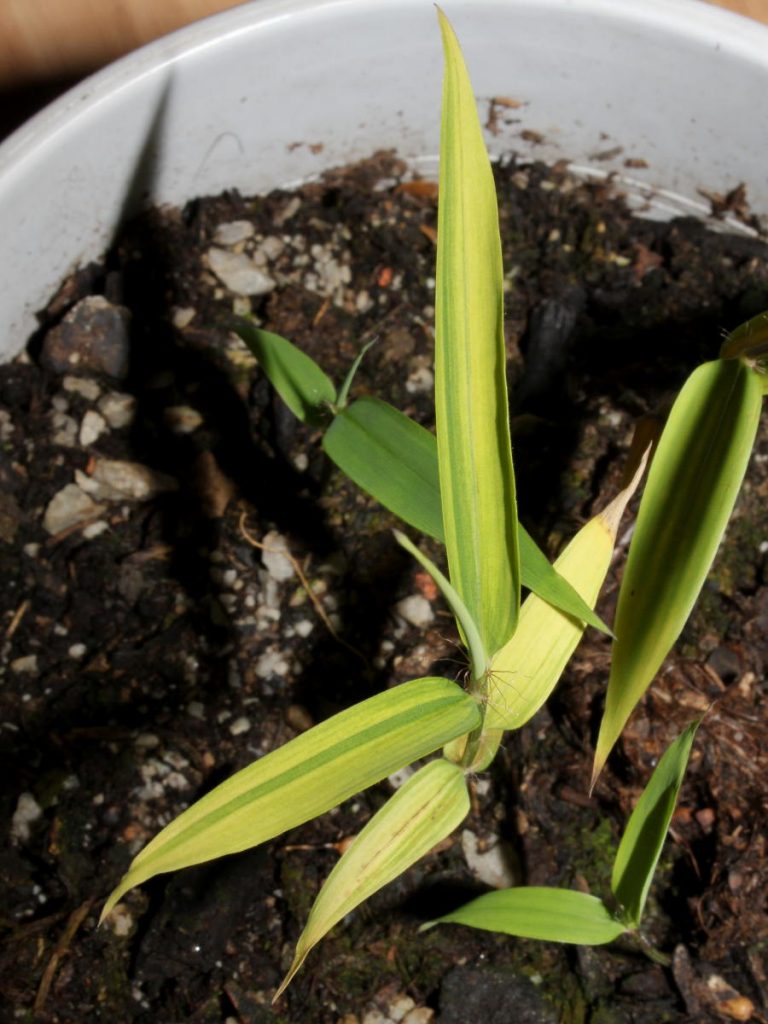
(527, 668)
(692, 486)
(299, 381)
(394, 459)
(477, 482)
(539, 912)
(547, 581)
(430, 805)
(477, 653)
(309, 775)
(646, 830)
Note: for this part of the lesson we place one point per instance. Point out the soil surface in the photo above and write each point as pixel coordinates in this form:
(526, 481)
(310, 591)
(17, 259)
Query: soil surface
(155, 638)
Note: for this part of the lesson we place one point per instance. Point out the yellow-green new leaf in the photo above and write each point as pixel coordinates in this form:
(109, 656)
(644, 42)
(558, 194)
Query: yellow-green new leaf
(309, 775)
(527, 668)
(540, 912)
(692, 486)
(477, 485)
(425, 810)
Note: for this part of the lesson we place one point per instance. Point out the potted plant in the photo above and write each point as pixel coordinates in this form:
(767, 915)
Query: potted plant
(502, 100)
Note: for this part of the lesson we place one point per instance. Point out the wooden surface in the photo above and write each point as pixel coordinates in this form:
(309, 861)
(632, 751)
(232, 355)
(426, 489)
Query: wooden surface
(752, 8)
(42, 39)
(47, 39)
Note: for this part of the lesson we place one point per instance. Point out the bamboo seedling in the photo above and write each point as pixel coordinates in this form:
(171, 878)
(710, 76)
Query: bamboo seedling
(458, 487)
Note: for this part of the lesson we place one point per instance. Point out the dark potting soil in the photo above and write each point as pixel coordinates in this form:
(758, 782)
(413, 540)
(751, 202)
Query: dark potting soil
(155, 638)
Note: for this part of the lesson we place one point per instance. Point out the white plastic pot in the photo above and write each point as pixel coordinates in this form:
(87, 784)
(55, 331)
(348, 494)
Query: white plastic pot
(276, 91)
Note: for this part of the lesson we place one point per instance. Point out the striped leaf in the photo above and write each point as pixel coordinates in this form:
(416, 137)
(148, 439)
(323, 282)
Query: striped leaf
(692, 486)
(309, 775)
(430, 805)
(477, 484)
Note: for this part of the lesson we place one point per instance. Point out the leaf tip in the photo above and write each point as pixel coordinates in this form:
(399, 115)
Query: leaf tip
(597, 768)
(606, 629)
(613, 512)
(298, 960)
(112, 901)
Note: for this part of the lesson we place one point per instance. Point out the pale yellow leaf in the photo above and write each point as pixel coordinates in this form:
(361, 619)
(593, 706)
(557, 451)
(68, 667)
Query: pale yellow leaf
(430, 805)
(527, 668)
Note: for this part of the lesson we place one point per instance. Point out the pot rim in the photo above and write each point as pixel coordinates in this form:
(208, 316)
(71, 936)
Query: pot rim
(700, 19)
(261, 96)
